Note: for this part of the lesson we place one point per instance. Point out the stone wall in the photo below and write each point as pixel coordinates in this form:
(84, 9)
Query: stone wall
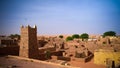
(8, 42)
(9, 50)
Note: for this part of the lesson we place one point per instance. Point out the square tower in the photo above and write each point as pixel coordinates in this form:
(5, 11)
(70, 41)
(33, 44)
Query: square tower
(28, 43)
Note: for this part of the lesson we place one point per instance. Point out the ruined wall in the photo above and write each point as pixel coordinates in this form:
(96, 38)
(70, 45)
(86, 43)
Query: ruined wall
(61, 58)
(86, 59)
(55, 53)
(100, 57)
(9, 50)
(8, 42)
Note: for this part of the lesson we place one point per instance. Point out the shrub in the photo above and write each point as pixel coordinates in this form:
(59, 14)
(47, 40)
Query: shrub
(69, 38)
(104, 42)
(60, 36)
(47, 54)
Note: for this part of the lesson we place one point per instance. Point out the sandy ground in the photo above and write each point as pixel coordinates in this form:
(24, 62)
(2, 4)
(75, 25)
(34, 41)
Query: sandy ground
(10, 62)
(89, 64)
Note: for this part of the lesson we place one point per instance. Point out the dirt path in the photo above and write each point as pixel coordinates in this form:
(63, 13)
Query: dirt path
(86, 65)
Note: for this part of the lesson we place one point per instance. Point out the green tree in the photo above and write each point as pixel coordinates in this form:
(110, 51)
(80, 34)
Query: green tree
(84, 36)
(69, 38)
(109, 33)
(60, 36)
(14, 36)
(75, 36)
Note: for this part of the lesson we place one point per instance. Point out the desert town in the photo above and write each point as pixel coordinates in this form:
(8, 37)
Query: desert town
(60, 51)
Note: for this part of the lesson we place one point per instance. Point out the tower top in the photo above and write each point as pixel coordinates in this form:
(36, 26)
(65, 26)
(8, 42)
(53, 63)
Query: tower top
(28, 26)
(22, 26)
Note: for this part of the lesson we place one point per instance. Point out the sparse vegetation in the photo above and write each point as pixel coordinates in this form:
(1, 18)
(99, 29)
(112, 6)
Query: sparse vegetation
(69, 38)
(47, 54)
(14, 36)
(60, 36)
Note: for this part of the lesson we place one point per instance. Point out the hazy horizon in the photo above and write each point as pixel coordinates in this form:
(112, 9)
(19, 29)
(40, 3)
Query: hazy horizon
(54, 17)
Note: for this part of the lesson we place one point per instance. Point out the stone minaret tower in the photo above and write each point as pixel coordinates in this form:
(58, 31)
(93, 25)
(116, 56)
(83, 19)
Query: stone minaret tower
(28, 43)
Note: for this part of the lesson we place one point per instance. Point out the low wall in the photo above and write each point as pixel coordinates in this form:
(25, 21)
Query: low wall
(9, 50)
(61, 58)
(42, 55)
(86, 59)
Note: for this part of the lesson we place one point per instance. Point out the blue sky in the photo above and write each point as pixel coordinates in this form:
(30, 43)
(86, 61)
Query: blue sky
(60, 16)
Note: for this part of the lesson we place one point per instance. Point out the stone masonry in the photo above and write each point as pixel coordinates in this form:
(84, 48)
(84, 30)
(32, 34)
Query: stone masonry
(28, 43)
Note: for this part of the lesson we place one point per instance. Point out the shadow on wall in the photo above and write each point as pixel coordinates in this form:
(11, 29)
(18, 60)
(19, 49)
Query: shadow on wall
(9, 50)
